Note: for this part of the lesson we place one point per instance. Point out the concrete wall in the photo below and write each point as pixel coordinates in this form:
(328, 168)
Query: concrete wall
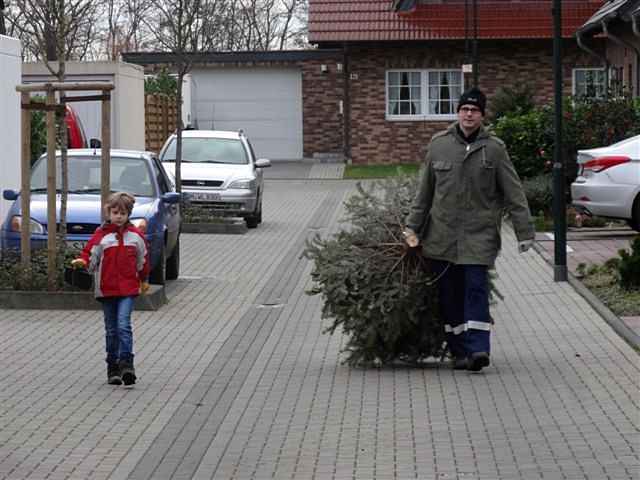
(127, 100)
(10, 63)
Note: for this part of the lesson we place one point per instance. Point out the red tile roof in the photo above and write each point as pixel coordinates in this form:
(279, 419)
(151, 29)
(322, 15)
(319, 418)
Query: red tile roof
(366, 20)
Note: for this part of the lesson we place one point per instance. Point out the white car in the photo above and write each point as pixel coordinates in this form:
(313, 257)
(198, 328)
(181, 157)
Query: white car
(220, 172)
(608, 182)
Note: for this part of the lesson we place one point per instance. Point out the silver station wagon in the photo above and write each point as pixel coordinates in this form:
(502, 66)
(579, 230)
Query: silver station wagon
(219, 172)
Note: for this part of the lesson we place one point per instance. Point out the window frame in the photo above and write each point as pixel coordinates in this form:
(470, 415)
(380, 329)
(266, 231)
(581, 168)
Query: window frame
(574, 72)
(424, 95)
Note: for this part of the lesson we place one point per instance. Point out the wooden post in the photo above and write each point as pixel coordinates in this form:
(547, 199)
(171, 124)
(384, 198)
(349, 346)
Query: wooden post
(165, 118)
(25, 183)
(106, 151)
(51, 190)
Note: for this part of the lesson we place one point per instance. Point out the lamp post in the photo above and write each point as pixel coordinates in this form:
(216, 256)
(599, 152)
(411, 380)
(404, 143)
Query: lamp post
(559, 212)
(475, 43)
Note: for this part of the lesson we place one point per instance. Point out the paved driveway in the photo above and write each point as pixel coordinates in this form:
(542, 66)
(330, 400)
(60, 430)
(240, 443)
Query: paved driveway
(237, 380)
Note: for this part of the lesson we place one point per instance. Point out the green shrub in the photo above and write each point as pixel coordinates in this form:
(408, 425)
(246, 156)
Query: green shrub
(526, 138)
(163, 83)
(629, 266)
(13, 276)
(511, 101)
(539, 193)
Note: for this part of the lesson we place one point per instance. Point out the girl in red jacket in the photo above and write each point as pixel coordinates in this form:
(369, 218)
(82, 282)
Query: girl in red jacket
(117, 256)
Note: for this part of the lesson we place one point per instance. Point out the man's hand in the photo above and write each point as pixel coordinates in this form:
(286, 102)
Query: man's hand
(78, 263)
(524, 245)
(410, 237)
(144, 288)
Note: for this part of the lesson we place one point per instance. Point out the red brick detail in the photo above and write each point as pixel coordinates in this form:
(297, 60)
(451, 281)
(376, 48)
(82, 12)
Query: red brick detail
(374, 139)
(322, 92)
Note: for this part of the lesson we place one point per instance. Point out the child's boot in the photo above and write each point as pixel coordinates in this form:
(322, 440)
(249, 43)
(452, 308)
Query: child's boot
(113, 374)
(127, 372)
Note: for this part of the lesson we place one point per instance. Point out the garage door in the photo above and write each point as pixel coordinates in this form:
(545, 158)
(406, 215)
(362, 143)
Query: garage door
(266, 103)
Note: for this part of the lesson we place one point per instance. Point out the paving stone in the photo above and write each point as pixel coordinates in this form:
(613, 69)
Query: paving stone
(237, 379)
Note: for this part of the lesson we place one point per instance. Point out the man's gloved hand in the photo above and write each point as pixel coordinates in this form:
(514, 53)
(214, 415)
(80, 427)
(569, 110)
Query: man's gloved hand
(144, 288)
(78, 263)
(410, 237)
(525, 245)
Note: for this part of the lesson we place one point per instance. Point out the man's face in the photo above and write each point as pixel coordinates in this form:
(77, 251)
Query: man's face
(470, 118)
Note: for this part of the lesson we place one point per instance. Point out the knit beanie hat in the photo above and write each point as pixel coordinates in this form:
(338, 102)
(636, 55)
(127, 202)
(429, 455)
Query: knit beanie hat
(474, 97)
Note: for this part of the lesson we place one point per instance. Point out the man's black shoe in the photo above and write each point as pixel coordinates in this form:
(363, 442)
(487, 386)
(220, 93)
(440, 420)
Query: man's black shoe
(477, 361)
(113, 374)
(460, 363)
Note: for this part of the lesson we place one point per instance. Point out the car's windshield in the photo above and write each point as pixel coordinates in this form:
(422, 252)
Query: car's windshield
(208, 150)
(127, 174)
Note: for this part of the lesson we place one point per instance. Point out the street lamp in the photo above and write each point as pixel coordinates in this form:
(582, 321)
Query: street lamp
(559, 211)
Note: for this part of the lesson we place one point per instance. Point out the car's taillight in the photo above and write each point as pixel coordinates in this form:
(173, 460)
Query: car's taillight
(602, 163)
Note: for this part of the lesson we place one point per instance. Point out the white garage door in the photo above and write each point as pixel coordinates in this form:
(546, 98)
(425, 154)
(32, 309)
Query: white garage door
(264, 102)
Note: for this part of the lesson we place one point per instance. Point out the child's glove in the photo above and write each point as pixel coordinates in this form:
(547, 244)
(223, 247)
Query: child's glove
(78, 263)
(144, 288)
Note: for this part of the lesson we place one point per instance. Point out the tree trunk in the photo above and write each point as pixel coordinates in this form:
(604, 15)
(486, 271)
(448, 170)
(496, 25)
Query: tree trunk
(179, 130)
(3, 29)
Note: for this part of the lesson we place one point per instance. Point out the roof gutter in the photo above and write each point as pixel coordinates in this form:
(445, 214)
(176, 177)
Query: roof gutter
(623, 43)
(602, 58)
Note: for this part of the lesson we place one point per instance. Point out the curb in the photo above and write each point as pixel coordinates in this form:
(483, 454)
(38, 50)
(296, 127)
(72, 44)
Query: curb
(39, 300)
(224, 227)
(607, 315)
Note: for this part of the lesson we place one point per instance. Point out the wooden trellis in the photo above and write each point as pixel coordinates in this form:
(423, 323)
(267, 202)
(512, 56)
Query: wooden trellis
(50, 107)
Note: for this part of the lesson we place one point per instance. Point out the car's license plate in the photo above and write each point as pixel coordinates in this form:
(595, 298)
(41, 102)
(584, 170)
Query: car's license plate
(204, 196)
(75, 244)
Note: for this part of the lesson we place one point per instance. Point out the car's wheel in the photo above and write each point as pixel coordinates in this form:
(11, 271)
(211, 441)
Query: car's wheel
(157, 275)
(173, 263)
(256, 217)
(635, 215)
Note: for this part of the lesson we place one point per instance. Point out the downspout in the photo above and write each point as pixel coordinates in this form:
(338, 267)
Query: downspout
(636, 31)
(602, 58)
(622, 43)
(346, 107)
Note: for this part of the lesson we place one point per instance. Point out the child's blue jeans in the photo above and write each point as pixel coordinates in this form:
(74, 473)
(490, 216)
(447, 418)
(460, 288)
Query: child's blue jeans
(117, 326)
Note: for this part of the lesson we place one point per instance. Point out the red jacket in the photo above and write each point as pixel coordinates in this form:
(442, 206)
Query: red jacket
(118, 257)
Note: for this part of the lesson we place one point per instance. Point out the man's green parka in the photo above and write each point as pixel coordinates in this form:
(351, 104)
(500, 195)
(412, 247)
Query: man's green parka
(464, 191)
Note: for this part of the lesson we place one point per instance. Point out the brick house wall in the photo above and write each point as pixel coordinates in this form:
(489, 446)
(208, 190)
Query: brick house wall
(374, 139)
(322, 92)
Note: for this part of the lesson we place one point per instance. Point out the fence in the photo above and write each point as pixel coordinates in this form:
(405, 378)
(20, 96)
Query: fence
(159, 120)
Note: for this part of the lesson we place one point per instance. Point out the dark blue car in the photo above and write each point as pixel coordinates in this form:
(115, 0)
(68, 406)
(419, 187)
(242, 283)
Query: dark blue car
(156, 211)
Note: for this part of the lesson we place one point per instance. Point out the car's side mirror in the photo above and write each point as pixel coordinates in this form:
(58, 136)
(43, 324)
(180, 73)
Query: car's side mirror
(95, 143)
(9, 194)
(171, 197)
(263, 163)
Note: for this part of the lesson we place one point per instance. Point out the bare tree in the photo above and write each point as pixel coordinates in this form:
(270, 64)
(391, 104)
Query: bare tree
(124, 26)
(178, 26)
(56, 31)
(39, 24)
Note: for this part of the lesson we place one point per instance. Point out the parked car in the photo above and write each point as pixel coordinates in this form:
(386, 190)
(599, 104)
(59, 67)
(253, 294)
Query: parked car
(156, 211)
(608, 182)
(220, 172)
(75, 131)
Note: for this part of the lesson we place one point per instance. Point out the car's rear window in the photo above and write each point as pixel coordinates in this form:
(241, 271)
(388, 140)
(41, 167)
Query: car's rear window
(208, 150)
(127, 174)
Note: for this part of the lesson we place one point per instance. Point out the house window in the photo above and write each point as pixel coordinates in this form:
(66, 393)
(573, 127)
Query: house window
(589, 82)
(423, 94)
